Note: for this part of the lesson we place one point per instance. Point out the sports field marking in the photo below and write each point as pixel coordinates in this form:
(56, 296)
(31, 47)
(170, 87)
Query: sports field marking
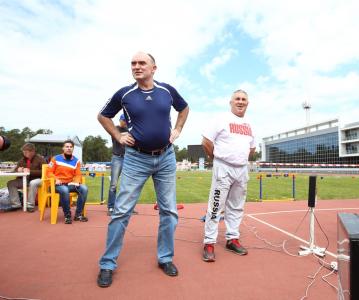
(287, 233)
(300, 210)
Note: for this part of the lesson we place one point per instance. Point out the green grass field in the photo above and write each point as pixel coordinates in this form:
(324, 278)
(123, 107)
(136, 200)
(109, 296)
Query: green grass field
(193, 187)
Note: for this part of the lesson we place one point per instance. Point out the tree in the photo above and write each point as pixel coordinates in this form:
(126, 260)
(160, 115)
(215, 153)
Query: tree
(180, 154)
(94, 149)
(18, 138)
(44, 131)
(256, 156)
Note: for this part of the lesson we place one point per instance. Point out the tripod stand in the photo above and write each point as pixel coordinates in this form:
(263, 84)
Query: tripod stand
(312, 198)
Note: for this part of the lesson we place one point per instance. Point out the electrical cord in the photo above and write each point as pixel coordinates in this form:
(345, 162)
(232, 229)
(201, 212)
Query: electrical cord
(330, 267)
(323, 263)
(317, 221)
(295, 232)
(313, 277)
(327, 275)
(326, 237)
(8, 298)
(254, 230)
(281, 245)
(152, 236)
(272, 246)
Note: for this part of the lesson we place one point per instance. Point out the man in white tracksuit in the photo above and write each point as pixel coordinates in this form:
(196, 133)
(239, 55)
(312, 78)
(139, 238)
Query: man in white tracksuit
(229, 143)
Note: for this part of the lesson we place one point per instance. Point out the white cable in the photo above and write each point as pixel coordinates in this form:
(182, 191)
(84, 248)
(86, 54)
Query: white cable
(325, 264)
(287, 252)
(254, 230)
(311, 283)
(284, 248)
(282, 245)
(325, 276)
(329, 266)
(8, 298)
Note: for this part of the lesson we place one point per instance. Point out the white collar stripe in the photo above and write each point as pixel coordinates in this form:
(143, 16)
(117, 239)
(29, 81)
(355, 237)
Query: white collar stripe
(162, 87)
(129, 91)
(60, 163)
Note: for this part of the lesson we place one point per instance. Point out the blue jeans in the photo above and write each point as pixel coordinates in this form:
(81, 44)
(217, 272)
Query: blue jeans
(65, 190)
(116, 168)
(137, 168)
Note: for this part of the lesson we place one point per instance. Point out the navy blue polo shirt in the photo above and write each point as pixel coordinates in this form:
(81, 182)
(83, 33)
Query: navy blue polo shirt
(147, 112)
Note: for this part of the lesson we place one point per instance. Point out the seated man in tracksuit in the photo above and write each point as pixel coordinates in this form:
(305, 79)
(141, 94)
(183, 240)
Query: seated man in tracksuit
(65, 168)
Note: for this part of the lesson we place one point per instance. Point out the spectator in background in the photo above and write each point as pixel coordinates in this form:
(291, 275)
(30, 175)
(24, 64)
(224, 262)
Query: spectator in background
(118, 152)
(4, 143)
(30, 163)
(65, 168)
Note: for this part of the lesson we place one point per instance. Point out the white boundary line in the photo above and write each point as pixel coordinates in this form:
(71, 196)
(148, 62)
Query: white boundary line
(287, 233)
(299, 210)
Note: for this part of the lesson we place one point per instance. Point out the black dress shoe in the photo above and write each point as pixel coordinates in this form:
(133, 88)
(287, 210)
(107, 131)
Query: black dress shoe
(104, 278)
(169, 268)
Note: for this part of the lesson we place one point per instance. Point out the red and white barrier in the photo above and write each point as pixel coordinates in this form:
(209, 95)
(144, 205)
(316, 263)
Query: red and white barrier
(308, 165)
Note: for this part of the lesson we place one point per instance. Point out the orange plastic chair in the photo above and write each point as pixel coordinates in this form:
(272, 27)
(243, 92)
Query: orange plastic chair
(47, 196)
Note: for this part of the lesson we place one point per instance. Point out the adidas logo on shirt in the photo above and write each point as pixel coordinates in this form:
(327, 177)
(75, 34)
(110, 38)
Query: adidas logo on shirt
(148, 98)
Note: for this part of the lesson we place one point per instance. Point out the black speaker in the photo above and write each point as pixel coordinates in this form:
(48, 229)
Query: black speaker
(312, 192)
(348, 256)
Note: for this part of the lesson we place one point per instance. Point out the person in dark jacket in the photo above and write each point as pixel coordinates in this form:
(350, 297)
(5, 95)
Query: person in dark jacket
(118, 153)
(31, 163)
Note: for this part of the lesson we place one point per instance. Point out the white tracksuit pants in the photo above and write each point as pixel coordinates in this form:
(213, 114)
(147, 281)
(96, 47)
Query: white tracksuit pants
(228, 193)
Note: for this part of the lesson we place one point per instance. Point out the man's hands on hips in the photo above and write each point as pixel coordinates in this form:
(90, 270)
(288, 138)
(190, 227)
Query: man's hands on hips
(174, 135)
(127, 139)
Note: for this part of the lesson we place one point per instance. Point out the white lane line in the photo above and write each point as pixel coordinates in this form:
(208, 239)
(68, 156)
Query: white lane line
(301, 210)
(287, 233)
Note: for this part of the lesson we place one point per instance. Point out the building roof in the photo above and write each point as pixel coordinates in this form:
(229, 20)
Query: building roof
(351, 125)
(312, 129)
(54, 139)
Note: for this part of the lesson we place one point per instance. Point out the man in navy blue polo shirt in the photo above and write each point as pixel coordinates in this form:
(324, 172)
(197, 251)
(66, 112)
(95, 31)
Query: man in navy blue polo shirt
(149, 152)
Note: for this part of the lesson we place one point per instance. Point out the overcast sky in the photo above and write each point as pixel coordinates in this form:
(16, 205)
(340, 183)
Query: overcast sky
(61, 60)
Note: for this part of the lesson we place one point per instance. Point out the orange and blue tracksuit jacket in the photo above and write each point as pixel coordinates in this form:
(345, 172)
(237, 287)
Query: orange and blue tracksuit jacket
(66, 170)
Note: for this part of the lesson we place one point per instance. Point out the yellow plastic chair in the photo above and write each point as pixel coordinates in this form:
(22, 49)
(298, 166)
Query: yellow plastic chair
(47, 196)
(43, 193)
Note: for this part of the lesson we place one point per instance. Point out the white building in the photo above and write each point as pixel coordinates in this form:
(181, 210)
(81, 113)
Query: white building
(51, 140)
(349, 140)
(328, 142)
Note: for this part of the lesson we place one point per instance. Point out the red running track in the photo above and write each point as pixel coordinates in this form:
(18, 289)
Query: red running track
(43, 261)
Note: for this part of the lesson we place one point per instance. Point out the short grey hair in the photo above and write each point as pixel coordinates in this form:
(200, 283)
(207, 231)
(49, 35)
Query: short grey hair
(241, 91)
